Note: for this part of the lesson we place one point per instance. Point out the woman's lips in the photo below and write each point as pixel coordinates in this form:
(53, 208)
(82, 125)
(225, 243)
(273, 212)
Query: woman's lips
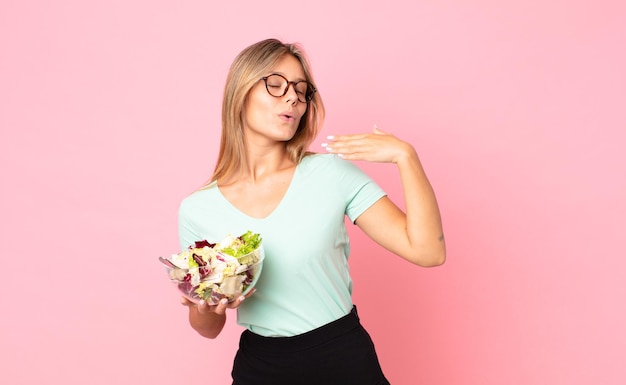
(287, 117)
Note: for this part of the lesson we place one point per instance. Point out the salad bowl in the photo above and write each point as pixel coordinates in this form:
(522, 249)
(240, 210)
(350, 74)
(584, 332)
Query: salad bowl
(211, 272)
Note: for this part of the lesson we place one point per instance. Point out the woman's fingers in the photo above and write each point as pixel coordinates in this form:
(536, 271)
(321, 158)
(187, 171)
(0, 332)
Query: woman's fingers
(220, 308)
(186, 302)
(377, 146)
(235, 304)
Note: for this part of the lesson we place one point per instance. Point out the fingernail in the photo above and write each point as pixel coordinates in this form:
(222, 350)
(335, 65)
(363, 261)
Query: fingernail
(242, 298)
(324, 144)
(340, 155)
(330, 137)
(328, 149)
(201, 303)
(223, 301)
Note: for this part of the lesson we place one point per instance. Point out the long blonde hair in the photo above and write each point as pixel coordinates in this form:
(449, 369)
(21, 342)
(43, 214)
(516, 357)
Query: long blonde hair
(246, 70)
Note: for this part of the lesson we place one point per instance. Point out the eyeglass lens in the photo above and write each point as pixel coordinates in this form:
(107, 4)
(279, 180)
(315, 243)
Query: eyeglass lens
(277, 86)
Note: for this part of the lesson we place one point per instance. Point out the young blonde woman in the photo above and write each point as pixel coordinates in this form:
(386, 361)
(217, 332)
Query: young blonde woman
(301, 325)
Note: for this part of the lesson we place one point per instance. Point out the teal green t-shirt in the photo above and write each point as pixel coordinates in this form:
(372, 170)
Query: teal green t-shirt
(305, 281)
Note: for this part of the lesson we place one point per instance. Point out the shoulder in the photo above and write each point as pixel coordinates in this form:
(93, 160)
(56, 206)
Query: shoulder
(198, 198)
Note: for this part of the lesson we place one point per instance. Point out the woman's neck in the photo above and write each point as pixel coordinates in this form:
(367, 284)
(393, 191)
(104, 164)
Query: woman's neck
(262, 163)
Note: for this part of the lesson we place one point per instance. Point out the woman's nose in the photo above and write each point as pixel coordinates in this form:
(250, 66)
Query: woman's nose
(291, 94)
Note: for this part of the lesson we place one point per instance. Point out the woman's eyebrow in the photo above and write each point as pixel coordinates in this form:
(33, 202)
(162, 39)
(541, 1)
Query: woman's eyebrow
(282, 74)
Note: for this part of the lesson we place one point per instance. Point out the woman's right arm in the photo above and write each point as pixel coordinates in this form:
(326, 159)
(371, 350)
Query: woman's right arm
(207, 320)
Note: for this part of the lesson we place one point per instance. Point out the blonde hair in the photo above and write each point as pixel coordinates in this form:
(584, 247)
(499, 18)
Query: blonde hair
(246, 70)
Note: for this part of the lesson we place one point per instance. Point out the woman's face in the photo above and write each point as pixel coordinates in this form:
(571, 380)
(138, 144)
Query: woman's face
(270, 118)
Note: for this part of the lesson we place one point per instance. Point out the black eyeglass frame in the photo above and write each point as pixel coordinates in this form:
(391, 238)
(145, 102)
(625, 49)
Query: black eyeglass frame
(311, 90)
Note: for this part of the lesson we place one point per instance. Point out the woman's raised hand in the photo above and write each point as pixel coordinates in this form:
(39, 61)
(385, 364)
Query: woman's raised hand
(377, 146)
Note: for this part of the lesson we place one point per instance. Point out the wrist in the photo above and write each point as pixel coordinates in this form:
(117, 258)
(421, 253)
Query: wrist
(406, 155)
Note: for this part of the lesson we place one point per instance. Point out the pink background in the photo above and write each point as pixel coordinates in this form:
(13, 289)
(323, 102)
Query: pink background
(109, 114)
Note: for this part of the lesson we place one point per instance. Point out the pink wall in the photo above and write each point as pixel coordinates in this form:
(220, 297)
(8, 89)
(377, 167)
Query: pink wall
(109, 115)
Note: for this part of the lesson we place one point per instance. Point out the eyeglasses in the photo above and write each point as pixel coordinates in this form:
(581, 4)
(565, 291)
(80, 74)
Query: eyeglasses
(277, 86)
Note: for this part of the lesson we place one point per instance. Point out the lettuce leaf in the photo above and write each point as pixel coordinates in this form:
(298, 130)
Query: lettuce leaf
(245, 244)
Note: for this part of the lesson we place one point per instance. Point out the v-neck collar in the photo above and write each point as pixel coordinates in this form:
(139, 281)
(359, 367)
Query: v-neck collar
(278, 206)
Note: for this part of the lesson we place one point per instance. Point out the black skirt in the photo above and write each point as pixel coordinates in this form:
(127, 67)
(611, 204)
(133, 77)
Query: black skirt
(340, 353)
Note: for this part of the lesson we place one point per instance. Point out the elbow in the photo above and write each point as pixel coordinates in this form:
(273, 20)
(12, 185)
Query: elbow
(433, 260)
(426, 251)
(206, 332)
(435, 256)
(207, 325)
(208, 335)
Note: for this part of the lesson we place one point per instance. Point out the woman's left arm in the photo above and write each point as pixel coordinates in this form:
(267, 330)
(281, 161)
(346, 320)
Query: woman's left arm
(415, 235)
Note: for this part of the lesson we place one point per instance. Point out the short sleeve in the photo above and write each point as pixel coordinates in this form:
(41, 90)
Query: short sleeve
(368, 194)
(186, 229)
(361, 192)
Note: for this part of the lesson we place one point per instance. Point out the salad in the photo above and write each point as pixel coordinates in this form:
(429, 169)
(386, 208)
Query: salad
(212, 271)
